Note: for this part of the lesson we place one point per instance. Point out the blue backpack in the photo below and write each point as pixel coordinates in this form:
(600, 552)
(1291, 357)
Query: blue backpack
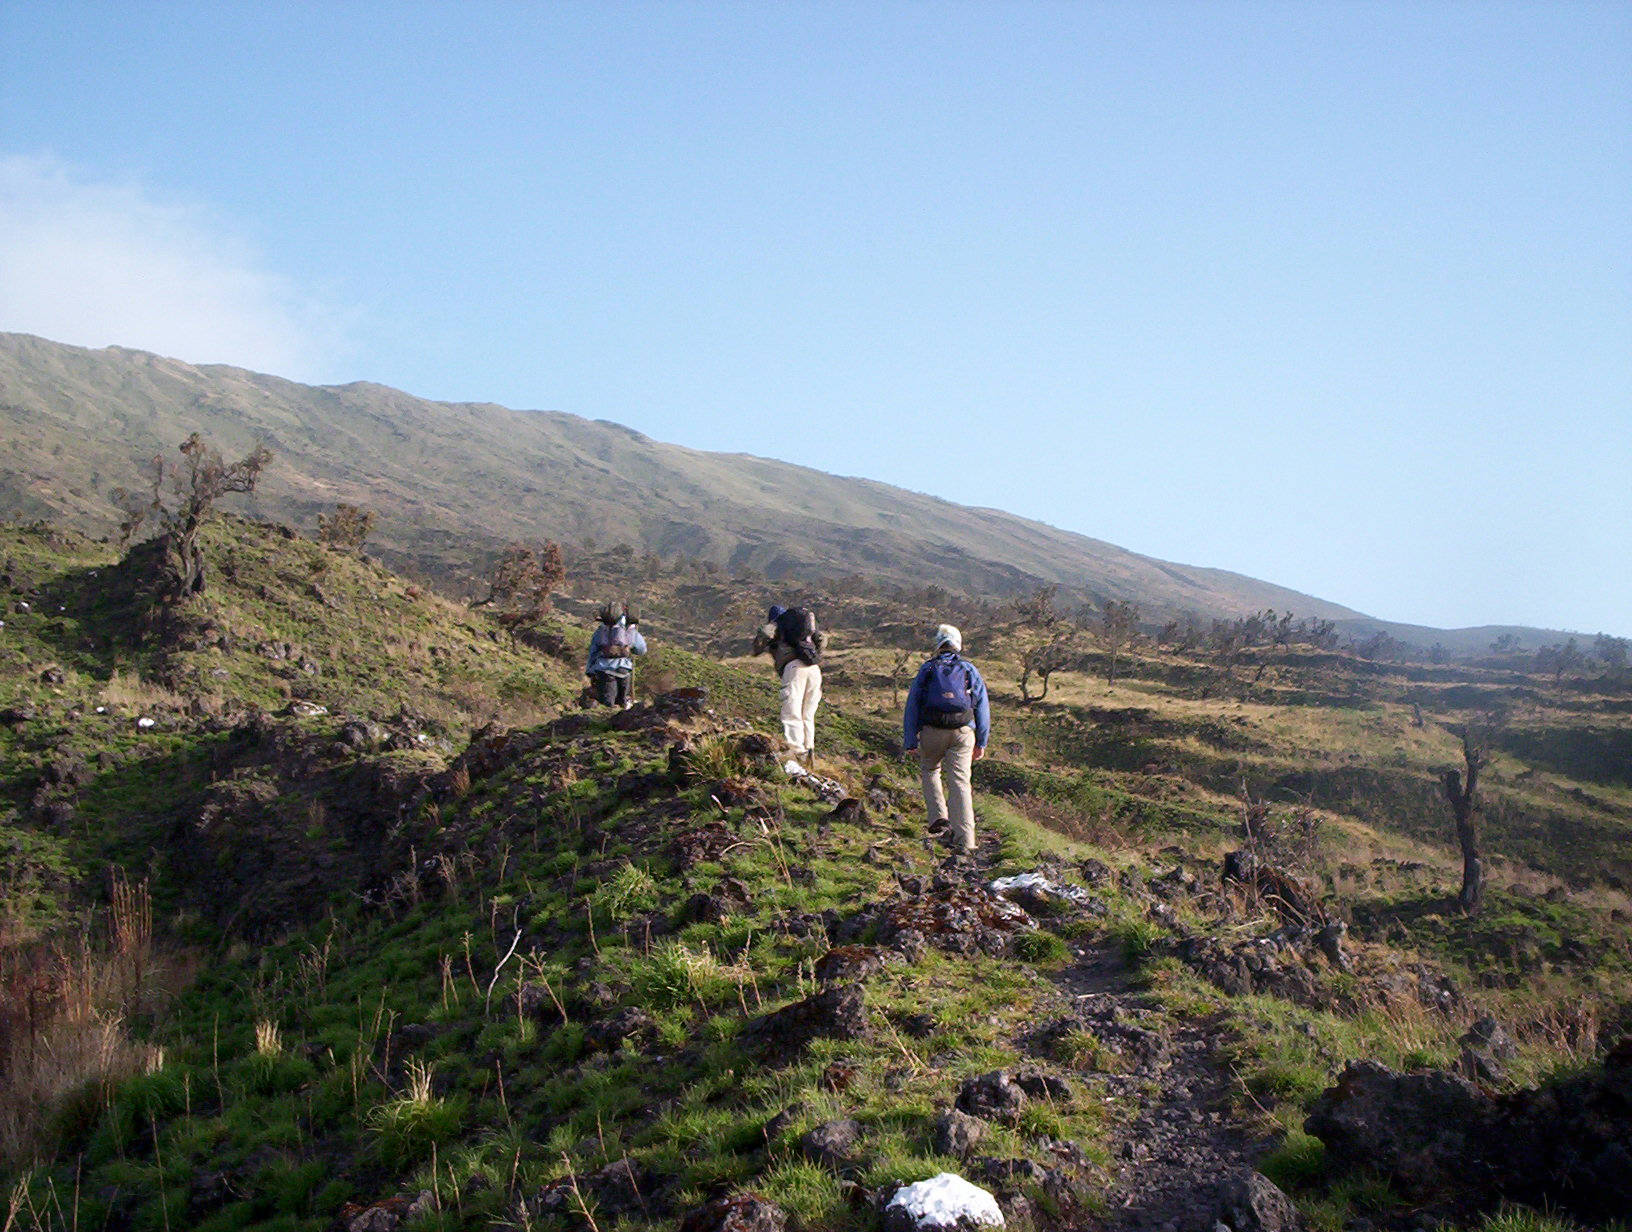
(944, 699)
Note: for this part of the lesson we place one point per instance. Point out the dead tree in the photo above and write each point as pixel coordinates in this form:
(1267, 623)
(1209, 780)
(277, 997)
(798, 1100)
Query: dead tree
(1058, 654)
(520, 582)
(1117, 626)
(1048, 645)
(197, 483)
(347, 528)
(1462, 793)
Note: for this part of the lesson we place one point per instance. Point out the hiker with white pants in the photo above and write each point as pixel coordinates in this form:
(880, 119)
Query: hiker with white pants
(947, 721)
(794, 643)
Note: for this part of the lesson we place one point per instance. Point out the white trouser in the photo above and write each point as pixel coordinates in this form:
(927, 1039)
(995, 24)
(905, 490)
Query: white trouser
(801, 694)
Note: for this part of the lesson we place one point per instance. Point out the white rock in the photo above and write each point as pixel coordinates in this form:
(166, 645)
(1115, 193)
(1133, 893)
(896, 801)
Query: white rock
(793, 769)
(144, 721)
(943, 1200)
(1039, 884)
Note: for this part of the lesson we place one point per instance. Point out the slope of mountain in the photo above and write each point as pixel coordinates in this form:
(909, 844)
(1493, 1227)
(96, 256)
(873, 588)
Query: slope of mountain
(437, 471)
(324, 908)
(450, 480)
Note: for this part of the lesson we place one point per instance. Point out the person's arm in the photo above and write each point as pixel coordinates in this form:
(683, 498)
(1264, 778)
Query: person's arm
(983, 710)
(594, 649)
(909, 716)
(764, 636)
(637, 643)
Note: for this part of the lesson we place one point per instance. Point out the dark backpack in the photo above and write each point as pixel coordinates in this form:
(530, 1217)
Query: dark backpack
(943, 699)
(796, 628)
(616, 644)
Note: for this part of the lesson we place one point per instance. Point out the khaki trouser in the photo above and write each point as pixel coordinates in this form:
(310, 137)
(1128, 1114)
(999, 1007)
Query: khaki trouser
(801, 694)
(951, 749)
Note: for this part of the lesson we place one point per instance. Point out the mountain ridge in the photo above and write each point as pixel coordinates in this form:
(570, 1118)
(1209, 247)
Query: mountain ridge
(451, 480)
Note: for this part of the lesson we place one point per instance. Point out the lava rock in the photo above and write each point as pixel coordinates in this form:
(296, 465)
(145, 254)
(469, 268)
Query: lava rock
(992, 1097)
(742, 1213)
(956, 1133)
(848, 964)
(609, 1033)
(1486, 1050)
(839, 1013)
(833, 1143)
(1250, 1202)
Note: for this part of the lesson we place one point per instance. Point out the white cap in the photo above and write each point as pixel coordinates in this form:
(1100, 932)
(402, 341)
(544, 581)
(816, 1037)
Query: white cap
(948, 635)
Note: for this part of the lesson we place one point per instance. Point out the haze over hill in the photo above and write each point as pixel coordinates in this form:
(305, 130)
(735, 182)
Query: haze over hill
(449, 480)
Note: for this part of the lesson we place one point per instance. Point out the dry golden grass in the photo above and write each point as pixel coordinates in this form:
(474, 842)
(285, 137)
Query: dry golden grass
(127, 691)
(63, 1028)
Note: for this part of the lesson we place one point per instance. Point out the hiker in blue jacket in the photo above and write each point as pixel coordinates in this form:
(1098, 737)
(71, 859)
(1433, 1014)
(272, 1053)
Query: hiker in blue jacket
(612, 650)
(947, 722)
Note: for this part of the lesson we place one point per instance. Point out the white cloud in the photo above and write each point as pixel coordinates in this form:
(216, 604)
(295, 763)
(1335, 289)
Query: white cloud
(98, 264)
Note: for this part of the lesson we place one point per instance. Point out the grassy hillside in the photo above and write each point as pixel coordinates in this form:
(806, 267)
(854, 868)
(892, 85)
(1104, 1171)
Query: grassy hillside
(331, 909)
(449, 480)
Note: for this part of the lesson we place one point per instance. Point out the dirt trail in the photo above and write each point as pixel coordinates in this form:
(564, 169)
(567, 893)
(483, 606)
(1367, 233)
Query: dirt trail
(1176, 1136)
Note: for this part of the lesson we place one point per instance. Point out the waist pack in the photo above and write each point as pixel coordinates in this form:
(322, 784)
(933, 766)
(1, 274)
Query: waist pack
(944, 700)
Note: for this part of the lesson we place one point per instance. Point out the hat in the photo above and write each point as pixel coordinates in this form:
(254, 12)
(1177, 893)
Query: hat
(948, 635)
(776, 612)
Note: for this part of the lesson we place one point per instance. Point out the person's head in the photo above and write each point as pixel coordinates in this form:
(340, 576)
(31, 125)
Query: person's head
(776, 612)
(947, 638)
(608, 615)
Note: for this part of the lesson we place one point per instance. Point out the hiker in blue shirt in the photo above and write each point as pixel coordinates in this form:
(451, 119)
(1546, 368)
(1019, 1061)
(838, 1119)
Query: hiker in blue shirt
(947, 722)
(612, 648)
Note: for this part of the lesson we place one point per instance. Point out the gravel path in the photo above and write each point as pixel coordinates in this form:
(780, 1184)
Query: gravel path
(1176, 1136)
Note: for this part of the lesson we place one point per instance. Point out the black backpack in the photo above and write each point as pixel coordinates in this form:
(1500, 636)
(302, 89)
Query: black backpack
(796, 628)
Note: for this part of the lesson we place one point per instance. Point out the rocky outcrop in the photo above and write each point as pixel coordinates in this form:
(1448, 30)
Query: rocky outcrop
(742, 1213)
(1250, 1202)
(838, 1013)
(1440, 1138)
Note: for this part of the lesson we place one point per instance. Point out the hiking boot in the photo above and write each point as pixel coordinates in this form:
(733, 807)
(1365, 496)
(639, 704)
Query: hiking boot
(939, 825)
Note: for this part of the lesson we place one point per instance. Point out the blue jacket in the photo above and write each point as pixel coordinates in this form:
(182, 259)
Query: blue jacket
(977, 693)
(601, 663)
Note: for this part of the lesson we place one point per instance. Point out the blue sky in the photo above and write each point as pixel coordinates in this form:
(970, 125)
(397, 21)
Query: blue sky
(1337, 295)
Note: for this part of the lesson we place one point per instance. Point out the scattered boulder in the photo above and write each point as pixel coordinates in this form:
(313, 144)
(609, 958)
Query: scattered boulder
(387, 1215)
(617, 1189)
(839, 1013)
(608, 1034)
(1416, 1128)
(361, 735)
(16, 716)
(850, 964)
(957, 1133)
(992, 1097)
(1438, 1137)
(832, 1143)
(742, 1213)
(1486, 1050)
(704, 908)
(773, 1128)
(1251, 1202)
(688, 703)
(1039, 1084)
(1330, 941)
(956, 918)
